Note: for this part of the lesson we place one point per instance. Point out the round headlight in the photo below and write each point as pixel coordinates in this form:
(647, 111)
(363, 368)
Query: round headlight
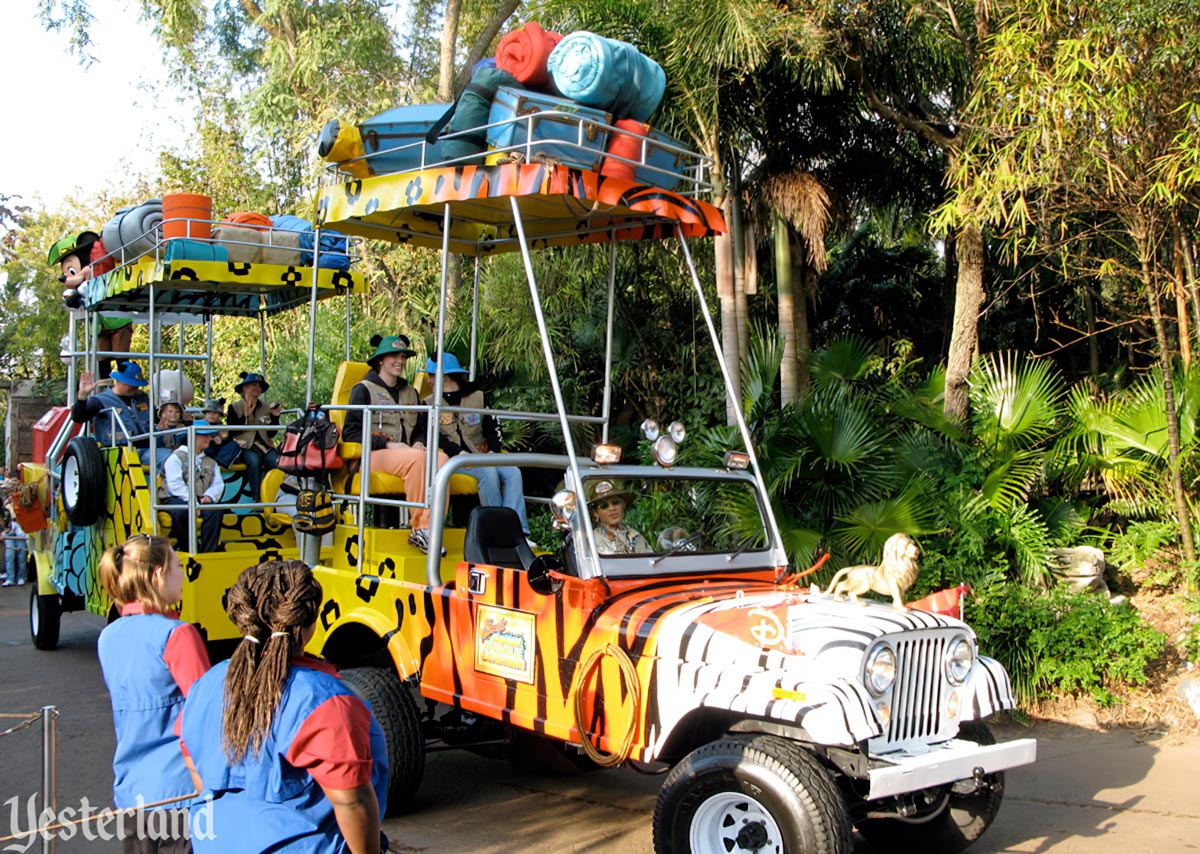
(960, 658)
(665, 450)
(650, 429)
(880, 670)
(677, 431)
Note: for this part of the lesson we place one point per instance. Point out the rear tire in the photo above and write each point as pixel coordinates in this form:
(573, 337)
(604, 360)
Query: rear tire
(750, 794)
(394, 707)
(84, 491)
(45, 618)
(964, 819)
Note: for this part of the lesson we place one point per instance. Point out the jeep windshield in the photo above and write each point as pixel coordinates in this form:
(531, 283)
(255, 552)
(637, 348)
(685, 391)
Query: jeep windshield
(651, 522)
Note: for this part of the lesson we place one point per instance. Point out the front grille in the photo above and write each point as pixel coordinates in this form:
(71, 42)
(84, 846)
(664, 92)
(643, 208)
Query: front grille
(919, 693)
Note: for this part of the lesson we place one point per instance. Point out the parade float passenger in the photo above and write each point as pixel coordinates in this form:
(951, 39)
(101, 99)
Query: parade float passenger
(116, 413)
(397, 436)
(290, 757)
(258, 446)
(150, 661)
(477, 433)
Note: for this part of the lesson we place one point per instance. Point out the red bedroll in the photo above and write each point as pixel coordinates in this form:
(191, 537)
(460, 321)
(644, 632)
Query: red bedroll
(627, 145)
(523, 53)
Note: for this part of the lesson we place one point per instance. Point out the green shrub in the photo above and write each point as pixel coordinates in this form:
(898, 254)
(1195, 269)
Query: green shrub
(1062, 643)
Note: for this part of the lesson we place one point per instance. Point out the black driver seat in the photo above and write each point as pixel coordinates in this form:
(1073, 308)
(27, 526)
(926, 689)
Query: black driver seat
(494, 537)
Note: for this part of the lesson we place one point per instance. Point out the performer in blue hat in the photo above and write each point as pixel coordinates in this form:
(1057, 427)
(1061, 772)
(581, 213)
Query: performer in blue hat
(120, 412)
(258, 446)
(476, 433)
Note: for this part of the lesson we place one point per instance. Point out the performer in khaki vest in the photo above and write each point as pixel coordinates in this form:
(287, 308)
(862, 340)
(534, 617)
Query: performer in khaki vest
(182, 474)
(472, 432)
(397, 436)
(258, 446)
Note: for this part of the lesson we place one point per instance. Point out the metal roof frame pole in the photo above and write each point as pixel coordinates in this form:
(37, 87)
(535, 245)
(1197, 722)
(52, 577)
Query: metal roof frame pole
(548, 352)
(433, 496)
(208, 348)
(432, 443)
(474, 318)
(608, 336)
(346, 353)
(72, 358)
(154, 342)
(262, 342)
(743, 429)
(312, 315)
(49, 775)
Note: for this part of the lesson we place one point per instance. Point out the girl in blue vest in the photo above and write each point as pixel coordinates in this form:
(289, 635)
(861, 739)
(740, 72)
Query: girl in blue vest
(289, 758)
(150, 661)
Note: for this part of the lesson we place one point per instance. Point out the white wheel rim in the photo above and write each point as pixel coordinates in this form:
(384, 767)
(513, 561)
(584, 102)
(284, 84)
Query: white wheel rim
(731, 822)
(70, 481)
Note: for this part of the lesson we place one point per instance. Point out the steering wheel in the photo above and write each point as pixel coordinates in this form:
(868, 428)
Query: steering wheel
(674, 540)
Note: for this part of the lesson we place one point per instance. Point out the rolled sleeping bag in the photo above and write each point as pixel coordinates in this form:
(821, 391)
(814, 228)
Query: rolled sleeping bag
(242, 243)
(471, 111)
(137, 227)
(607, 74)
(281, 247)
(111, 233)
(523, 53)
(341, 143)
(183, 249)
(333, 252)
(627, 145)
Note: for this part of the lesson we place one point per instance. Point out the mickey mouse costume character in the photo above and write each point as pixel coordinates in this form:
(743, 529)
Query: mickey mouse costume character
(80, 257)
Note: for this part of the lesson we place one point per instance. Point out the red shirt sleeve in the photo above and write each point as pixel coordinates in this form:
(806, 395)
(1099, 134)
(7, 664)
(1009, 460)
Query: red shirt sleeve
(186, 656)
(334, 744)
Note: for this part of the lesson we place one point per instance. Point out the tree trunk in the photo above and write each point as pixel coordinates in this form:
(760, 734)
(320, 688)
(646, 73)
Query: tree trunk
(1189, 269)
(968, 302)
(1089, 312)
(723, 246)
(808, 287)
(1164, 355)
(787, 310)
(446, 56)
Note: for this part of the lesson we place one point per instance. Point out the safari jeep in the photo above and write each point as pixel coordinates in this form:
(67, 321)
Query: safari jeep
(785, 716)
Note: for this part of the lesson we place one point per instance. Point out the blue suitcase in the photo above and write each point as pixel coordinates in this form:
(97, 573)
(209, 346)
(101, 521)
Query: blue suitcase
(394, 139)
(664, 166)
(540, 125)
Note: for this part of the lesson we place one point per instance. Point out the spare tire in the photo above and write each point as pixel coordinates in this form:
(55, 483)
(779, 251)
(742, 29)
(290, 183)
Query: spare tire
(83, 482)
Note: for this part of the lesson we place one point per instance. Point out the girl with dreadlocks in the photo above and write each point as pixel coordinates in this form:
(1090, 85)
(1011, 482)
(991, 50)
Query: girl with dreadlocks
(290, 757)
(150, 661)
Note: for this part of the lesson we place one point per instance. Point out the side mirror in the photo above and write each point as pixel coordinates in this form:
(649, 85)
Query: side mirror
(562, 507)
(540, 579)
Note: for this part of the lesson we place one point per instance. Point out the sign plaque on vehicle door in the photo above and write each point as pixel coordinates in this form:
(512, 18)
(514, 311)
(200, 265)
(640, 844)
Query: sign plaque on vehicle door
(504, 643)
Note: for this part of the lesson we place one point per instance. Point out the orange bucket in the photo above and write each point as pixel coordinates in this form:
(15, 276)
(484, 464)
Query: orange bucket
(187, 215)
(624, 145)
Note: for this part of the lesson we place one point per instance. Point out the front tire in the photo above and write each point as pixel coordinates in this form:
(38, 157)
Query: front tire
(83, 481)
(964, 819)
(45, 618)
(394, 707)
(750, 794)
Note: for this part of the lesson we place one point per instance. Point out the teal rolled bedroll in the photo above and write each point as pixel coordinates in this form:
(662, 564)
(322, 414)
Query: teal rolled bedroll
(610, 75)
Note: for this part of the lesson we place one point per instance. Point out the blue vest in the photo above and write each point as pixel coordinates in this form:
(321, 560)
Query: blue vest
(135, 420)
(146, 701)
(266, 803)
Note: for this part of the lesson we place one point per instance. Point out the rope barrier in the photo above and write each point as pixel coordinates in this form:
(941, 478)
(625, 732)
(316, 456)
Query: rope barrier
(27, 721)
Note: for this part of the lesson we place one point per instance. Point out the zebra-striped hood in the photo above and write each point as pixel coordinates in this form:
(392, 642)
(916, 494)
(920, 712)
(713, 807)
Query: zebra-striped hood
(788, 657)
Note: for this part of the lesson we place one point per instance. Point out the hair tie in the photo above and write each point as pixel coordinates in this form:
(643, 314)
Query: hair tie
(251, 638)
(279, 634)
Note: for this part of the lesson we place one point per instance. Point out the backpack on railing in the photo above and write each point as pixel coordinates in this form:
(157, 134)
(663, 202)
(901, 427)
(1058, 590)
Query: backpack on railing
(310, 444)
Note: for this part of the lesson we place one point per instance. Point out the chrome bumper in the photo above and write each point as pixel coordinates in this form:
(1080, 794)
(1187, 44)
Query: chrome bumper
(945, 763)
